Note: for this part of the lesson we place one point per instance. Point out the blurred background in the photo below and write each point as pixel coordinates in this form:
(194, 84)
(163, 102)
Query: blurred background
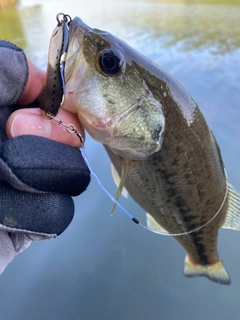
(106, 267)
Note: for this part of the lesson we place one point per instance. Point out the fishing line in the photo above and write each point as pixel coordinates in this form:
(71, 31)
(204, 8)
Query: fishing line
(64, 20)
(136, 220)
(82, 150)
(70, 128)
(194, 230)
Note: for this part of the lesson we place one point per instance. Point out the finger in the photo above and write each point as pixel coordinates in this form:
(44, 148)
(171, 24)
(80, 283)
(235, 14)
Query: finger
(31, 121)
(34, 85)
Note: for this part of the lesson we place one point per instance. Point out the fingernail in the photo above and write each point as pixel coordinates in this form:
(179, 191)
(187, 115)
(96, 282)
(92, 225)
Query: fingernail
(30, 124)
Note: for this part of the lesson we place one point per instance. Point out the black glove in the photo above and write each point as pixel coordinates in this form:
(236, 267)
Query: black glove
(38, 176)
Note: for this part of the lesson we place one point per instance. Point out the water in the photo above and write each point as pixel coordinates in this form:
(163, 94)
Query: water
(106, 267)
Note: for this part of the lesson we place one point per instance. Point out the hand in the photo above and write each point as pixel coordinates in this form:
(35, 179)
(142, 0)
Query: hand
(38, 176)
(31, 120)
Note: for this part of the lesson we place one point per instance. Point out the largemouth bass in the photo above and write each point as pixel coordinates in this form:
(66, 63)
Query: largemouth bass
(148, 122)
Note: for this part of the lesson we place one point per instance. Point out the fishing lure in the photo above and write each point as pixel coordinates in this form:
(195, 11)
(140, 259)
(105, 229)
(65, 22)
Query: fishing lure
(52, 96)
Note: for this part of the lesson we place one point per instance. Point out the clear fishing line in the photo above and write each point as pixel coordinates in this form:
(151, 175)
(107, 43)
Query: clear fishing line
(70, 128)
(135, 219)
(82, 150)
(64, 21)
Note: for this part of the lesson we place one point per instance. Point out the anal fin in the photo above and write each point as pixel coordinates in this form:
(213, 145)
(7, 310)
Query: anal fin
(154, 225)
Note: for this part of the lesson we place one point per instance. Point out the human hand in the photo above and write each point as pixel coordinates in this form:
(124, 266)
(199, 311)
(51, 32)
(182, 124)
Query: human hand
(38, 175)
(31, 120)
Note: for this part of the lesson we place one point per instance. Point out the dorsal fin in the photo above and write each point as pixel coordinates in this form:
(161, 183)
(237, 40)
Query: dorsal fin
(232, 220)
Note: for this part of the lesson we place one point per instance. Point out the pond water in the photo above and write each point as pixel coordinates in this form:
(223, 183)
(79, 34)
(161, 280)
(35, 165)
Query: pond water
(106, 267)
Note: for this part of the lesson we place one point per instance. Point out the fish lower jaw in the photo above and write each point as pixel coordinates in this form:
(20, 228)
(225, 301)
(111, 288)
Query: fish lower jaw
(102, 130)
(99, 129)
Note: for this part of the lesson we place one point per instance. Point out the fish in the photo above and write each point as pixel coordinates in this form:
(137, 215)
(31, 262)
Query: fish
(158, 141)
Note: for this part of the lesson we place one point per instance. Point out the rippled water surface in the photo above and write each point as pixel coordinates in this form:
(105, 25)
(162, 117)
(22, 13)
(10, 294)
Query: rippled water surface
(106, 267)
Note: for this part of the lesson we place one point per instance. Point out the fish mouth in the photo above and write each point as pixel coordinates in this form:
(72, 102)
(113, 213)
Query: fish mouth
(133, 131)
(118, 134)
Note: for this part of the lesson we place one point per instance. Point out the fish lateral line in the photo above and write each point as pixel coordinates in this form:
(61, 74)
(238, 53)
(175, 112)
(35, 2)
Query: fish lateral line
(116, 203)
(70, 128)
(80, 83)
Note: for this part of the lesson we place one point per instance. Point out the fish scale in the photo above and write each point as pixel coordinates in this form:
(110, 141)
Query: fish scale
(174, 166)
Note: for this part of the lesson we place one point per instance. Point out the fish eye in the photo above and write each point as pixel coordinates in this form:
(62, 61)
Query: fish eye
(109, 62)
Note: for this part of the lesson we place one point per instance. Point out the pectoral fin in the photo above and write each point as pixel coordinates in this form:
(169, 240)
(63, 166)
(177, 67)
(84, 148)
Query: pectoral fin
(122, 181)
(117, 179)
(232, 220)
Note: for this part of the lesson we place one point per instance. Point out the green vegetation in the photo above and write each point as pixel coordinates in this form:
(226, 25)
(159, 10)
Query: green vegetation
(11, 28)
(6, 3)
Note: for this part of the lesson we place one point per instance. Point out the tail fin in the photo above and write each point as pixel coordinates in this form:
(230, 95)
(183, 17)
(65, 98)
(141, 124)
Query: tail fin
(215, 272)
